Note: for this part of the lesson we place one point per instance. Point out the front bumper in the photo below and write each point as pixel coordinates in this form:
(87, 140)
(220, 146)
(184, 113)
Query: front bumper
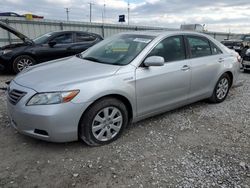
(5, 62)
(55, 123)
(1, 67)
(246, 65)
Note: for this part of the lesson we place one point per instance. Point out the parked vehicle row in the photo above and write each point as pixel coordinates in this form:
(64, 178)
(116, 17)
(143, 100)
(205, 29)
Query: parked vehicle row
(50, 46)
(131, 76)
(13, 14)
(246, 60)
(238, 43)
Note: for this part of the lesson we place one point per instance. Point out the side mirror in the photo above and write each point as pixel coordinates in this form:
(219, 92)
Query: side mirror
(52, 44)
(154, 61)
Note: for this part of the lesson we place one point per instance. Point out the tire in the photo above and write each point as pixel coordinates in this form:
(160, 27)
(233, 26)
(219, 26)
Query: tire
(221, 89)
(22, 62)
(96, 129)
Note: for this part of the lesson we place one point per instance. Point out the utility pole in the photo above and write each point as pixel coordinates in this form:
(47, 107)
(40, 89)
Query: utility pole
(90, 11)
(104, 11)
(128, 11)
(67, 12)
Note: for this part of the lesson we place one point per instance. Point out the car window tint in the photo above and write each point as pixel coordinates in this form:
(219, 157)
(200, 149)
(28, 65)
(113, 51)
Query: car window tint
(82, 37)
(171, 49)
(63, 39)
(215, 49)
(199, 46)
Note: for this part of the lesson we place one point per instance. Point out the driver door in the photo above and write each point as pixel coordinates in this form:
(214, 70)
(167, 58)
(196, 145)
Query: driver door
(46, 52)
(164, 87)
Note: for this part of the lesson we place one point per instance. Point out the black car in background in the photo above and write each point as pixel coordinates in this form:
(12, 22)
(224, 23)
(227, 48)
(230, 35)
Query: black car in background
(239, 43)
(50, 46)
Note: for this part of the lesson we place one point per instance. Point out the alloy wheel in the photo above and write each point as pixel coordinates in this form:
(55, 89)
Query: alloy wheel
(222, 88)
(107, 123)
(23, 64)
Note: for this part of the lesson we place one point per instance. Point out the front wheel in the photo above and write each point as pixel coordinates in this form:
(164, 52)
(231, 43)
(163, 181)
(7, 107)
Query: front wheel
(103, 122)
(221, 89)
(22, 62)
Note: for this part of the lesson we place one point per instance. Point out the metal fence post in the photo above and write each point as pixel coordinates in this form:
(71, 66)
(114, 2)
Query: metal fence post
(9, 37)
(61, 26)
(103, 31)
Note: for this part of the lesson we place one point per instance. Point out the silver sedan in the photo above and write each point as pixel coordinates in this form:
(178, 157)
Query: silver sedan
(95, 95)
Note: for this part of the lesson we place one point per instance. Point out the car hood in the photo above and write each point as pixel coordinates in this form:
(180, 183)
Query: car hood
(59, 74)
(15, 32)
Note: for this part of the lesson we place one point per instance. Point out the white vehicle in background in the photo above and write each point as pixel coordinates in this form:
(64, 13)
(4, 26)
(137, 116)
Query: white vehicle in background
(192, 27)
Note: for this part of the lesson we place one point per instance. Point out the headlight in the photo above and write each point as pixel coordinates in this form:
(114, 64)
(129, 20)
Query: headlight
(248, 52)
(52, 98)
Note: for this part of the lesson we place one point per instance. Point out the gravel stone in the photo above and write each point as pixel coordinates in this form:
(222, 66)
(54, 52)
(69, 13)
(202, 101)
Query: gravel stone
(200, 145)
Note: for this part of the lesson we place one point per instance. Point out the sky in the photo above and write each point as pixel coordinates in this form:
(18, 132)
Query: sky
(218, 15)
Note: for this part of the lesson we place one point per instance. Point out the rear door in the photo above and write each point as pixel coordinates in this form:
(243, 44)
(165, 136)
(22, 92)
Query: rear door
(206, 61)
(164, 87)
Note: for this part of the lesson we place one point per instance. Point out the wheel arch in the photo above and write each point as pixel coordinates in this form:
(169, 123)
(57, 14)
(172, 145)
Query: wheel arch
(25, 53)
(120, 97)
(230, 74)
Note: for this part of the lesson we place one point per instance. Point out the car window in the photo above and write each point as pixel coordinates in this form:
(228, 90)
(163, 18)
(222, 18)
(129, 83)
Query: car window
(43, 38)
(247, 38)
(82, 37)
(63, 39)
(118, 50)
(215, 49)
(171, 49)
(199, 46)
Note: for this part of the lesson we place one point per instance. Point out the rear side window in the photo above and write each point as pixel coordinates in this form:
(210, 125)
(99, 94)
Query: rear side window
(82, 37)
(199, 46)
(215, 49)
(64, 39)
(171, 49)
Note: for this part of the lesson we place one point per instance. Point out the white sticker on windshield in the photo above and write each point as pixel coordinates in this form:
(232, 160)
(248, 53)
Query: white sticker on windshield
(143, 40)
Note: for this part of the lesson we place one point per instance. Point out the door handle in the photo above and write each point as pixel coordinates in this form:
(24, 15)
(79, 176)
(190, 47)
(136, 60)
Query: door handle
(185, 68)
(221, 60)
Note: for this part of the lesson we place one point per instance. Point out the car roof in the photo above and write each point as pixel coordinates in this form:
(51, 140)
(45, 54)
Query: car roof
(157, 33)
(68, 31)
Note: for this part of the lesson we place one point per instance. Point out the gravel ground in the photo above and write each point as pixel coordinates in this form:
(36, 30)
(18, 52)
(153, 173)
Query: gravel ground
(200, 145)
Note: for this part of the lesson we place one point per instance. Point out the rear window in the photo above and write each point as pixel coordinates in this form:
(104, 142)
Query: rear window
(83, 37)
(199, 46)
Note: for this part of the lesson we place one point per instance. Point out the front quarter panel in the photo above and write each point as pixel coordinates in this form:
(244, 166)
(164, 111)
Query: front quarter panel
(122, 83)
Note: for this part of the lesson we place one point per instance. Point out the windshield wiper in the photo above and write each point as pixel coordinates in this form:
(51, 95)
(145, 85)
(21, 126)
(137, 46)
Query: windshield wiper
(93, 59)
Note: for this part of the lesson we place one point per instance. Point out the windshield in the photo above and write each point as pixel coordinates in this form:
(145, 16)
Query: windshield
(118, 50)
(42, 39)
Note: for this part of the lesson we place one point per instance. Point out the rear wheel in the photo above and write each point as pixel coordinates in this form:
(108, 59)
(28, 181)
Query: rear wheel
(221, 89)
(103, 122)
(22, 62)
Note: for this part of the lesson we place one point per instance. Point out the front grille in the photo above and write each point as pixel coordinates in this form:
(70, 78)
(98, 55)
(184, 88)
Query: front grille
(15, 96)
